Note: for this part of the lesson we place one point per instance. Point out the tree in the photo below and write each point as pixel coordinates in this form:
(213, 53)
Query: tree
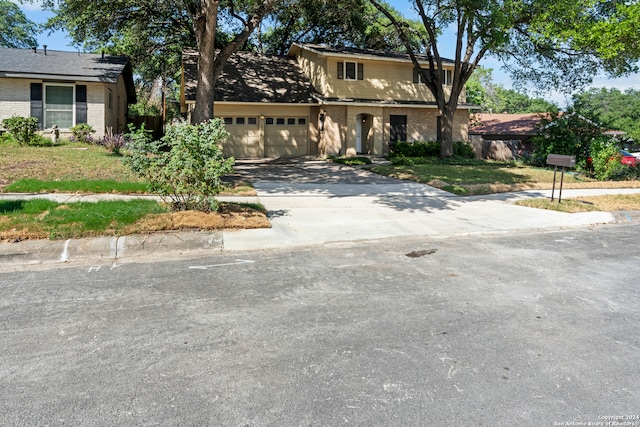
(160, 30)
(494, 98)
(15, 29)
(547, 41)
(611, 108)
(353, 23)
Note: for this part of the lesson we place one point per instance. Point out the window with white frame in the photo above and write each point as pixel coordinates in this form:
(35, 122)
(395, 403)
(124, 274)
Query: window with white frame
(59, 106)
(348, 70)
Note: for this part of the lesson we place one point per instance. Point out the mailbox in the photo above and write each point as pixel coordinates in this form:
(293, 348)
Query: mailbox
(560, 160)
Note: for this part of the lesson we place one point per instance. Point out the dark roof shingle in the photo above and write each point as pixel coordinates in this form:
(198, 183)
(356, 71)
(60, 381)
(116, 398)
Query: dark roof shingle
(248, 77)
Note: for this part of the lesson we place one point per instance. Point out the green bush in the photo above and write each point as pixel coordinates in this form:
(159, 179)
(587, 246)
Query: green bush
(606, 162)
(185, 166)
(82, 133)
(23, 129)
(463, 149)
(415, 149)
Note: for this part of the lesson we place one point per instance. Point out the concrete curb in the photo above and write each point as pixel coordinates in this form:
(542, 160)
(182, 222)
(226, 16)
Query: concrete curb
(101, 249)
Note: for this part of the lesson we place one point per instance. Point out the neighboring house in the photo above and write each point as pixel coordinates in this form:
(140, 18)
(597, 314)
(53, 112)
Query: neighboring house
(322, 101)
(66, 88)
(503, 136)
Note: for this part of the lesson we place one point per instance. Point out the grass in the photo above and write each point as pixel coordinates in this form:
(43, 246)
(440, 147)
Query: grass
(491, 177)
(41, 218)
(84, 186)
(607, 203)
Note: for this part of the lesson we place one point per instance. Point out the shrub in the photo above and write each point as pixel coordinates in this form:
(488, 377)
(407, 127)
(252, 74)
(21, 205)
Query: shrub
(463, 149)
(185, 166)
(606, 161)
(23, 129)
(352, 161)
(82, 133)
(113, 142)
(415, 149)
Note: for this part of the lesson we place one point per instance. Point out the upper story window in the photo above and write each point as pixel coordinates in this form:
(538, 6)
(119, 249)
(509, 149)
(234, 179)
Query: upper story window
(350, 70)
(446, 75)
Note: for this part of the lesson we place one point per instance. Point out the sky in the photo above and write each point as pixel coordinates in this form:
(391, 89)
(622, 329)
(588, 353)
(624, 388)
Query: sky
(60, 41)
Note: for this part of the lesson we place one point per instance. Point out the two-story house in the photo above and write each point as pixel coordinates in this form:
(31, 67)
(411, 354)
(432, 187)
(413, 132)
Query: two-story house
(322, 101)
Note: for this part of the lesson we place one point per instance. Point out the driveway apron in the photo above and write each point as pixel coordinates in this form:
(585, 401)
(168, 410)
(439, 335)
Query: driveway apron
(314, 201)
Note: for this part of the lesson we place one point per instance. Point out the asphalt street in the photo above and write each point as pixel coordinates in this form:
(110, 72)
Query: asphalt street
(526, 328)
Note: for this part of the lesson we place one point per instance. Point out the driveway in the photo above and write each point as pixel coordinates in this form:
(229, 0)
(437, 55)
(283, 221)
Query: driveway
(313, 201)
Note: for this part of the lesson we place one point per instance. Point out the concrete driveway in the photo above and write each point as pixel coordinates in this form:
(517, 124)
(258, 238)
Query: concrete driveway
(313, 201)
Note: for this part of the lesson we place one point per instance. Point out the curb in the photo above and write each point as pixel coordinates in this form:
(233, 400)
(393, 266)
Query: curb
(100, 249)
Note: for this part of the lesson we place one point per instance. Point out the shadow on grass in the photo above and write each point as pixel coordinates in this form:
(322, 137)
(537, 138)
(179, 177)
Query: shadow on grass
(10, 206)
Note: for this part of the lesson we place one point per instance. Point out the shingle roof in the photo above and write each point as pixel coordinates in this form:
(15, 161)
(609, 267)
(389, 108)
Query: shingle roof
(64, 66)
(506, 124)
(248, 77)
(352, 51)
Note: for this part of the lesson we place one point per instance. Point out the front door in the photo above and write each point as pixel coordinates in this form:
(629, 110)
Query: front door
(398, 129)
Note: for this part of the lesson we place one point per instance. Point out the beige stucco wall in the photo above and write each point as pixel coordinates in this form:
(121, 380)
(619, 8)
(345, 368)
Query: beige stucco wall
(383, 79)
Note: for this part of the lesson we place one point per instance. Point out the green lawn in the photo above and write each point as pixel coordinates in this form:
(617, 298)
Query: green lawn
(490, 177)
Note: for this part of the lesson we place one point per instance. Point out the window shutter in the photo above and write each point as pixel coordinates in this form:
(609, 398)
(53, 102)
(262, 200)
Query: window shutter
(416, 78)
(340, 70)
(360, 71)
(36, 104)
(81, 104)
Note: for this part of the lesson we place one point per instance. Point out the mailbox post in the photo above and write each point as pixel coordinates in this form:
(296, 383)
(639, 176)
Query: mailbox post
(560, 160)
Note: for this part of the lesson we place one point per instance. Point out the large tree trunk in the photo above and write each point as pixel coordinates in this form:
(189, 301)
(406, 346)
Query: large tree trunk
(446, 132)
(204, 25)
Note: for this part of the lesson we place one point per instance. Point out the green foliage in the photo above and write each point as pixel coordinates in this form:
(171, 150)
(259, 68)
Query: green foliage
(75, 186)
(423, 149)
(569, 134)
(611, 108)
(494, 98)
(23, 129)
(415, 149)
(82, 133)
(351, 161)
(78, 219)
(16, 30)
(185, 166)
(463, 150)
(606, 161)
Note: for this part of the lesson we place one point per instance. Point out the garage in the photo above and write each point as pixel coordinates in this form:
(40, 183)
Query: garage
(283, 136)
(286, 136)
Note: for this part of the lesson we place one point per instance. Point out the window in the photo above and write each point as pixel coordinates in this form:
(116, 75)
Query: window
(350, 70)
(109, 99)
(280, 121)
(228, 120)
(253, 120)
(446, 75)
(302, 121)
(291, 121)
(58, 108)
(240, 121)
(269, 120)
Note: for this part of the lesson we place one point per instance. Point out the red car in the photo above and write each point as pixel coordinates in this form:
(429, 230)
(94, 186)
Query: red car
(628, 158)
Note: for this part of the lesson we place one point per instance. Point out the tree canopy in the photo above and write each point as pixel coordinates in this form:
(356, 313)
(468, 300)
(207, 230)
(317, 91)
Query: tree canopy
(354, 23)
(155, 33)
(15, 29)
(494, 98)
(549, 42)
(611, 108)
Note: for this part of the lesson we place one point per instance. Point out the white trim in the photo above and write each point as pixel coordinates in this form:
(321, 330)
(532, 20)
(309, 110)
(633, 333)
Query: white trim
(44, 102)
